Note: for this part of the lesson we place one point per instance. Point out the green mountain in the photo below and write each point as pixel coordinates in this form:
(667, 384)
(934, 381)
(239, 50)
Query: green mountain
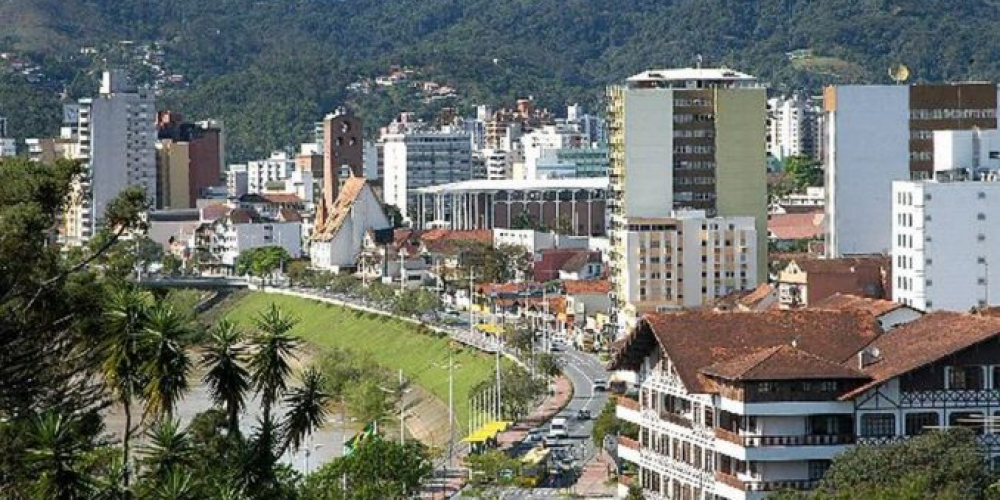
(269, 68)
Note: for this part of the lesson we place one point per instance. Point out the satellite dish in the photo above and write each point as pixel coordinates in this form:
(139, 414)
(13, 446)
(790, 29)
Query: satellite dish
(899, 73)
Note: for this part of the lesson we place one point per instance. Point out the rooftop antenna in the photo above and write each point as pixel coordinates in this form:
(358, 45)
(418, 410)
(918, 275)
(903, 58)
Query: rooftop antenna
(899, 73)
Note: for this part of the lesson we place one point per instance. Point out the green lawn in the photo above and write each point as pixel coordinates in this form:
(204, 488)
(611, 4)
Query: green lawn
(392, 344)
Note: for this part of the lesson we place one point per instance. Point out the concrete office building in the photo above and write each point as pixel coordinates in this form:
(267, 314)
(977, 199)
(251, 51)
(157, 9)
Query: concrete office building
(418, 156)
(876, 134)
(576, 205)
(116, 137)
(945, 241)
(686, 139)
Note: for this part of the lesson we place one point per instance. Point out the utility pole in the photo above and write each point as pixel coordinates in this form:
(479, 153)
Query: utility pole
(402, 270)
(402, 410)
(498, 407)
(451, 405)
(472, 324)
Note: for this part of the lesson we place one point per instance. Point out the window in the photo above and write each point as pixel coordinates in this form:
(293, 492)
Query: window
(981, 216)
(817, 469)
(918, 423)
(878, 425)
(765, 387)
(969, 378)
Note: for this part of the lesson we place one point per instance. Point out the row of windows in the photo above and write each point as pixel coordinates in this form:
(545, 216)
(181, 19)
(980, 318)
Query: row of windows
(694, 165)
(692, 102)
(694, 181)
(693, 150)
(884, 424)
(951, 114)
(698, 133)
(700, 117)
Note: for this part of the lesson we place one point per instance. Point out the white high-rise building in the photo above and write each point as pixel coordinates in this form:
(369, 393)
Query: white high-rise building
(793, 127)
(543, 145)
(116, 139)
(236, 180)
(275, 169)
(416, 156)
(876, 134)
(945, 237)
(8, 147)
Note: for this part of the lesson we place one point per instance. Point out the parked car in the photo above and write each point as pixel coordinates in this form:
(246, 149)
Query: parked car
(600, 385)
(583, 414)
(534, 436)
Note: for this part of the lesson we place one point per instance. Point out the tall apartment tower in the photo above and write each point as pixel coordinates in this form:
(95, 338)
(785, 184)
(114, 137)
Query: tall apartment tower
(343, 151)
(876, 134)
(189, 159)
(116, 141)
(683, 139)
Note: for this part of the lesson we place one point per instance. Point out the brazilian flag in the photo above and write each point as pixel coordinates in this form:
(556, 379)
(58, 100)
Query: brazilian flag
(370, 431)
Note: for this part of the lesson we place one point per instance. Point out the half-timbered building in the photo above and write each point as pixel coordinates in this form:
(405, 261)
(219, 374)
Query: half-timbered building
(739, 405)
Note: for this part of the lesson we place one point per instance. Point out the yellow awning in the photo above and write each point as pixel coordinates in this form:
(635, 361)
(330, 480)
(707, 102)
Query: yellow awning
(487, 431)
(489, 328)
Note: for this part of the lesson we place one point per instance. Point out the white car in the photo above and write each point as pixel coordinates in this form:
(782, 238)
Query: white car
(558, 429)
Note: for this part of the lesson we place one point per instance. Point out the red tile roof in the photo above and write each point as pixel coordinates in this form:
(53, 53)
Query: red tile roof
(848, 302)
(782, 362)
(283, 198)
(575, 287)
(924, 341)
(843, 265)
(801, 226)
(697, 339)
(214, 212)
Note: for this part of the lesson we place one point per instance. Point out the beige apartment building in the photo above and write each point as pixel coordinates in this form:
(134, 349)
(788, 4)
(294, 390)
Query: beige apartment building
(683, 261)
(683, 139)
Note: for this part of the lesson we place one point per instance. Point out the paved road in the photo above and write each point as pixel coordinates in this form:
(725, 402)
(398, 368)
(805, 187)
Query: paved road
(582, 369)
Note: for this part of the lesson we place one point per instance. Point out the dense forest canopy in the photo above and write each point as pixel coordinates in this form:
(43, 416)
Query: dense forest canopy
(269, 68)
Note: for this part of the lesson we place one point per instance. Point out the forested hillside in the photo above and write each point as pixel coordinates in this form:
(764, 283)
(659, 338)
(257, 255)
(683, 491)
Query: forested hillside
(269, 68)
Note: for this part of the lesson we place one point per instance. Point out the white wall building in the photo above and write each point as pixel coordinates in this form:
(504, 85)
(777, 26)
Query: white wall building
(946, 244)
(542, 144)
(416, 156)
(683, 261)
(117, 143)
(339, 235)
(535, 241)
(8, 146)
(793, 127)
(277, 168)
(868, 139)
(242, 229)
(740, 410)
(237, 180)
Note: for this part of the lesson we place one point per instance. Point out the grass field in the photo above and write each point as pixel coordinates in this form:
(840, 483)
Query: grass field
(392, 344)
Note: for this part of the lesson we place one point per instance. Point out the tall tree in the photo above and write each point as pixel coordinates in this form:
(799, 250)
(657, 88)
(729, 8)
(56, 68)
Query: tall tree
(376, 470)
(227, 380)
(167, 366)
(123, 355)
(58, 456)
(271, 350)
(169, 449)
(307, 408)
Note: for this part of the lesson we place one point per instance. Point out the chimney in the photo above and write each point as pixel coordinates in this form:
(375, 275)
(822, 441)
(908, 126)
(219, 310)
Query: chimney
(867, 357)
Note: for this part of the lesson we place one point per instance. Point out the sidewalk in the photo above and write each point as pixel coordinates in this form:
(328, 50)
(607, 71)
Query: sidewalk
(595, 475)
(452, 483)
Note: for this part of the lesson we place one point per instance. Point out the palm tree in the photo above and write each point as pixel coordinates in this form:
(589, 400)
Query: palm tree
(169, 449)
(269, 368)
(307, 408)
(57, 454)
(227, 380)
(175, 485)
(122, 355)
(168, 363)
